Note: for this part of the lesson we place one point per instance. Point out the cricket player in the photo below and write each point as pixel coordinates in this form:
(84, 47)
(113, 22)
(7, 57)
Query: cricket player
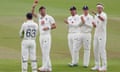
(85, 34)
(100, 39)
(46, 24)
(28, 33)
(73, 23)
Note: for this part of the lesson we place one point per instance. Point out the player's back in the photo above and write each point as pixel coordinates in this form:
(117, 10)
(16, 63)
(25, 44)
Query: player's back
(30, 30)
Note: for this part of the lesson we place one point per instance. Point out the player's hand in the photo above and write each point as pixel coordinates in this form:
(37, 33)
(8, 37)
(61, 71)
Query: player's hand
(36, 1)
(94, 25)
(34, 5)
(93, 12)
(46, 28)
(42, 22)
(82, 19)
(66, 21)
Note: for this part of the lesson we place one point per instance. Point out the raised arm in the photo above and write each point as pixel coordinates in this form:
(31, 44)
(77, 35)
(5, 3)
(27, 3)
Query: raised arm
(33, 8)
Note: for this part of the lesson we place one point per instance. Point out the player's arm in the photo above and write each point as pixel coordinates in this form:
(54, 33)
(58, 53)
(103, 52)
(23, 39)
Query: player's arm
(90, 23)
(76, 23)
(33, 10)
(53, 24)
(66, 21)
(82, 20)
(94, 22)
(94, 25)
(21, 33)
(101, 18)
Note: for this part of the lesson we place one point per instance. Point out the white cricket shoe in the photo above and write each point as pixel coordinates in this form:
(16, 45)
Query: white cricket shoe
(42, 69)
(72, 65)
(95, 68)
(103, 69)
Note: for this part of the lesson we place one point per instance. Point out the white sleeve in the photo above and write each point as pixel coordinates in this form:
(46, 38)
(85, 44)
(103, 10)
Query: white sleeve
(52, 20)
(37, 28)
(21, 31)
(104, 17)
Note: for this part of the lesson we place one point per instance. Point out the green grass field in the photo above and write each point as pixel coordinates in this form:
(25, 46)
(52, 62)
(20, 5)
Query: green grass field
(12, 15)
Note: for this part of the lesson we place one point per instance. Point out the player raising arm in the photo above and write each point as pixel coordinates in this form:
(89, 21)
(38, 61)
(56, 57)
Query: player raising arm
(28, 33)
(46, 24)
(42, 12)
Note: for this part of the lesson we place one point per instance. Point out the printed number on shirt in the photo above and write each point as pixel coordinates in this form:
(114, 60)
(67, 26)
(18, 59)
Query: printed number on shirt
(30, 33)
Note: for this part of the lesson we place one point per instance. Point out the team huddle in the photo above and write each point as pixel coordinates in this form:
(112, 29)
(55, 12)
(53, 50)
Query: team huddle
(79, 34)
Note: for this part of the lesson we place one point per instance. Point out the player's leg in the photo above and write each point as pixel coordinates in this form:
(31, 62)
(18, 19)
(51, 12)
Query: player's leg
(76, 47)
(33, 57)
(25, 54)
(70, 45)
(102, 46)
(49, 65)
(46, 45)
(87, 47)
(41, 40)
(96, 54)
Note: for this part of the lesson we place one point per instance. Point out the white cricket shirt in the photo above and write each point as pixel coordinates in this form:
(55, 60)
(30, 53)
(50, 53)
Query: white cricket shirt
(87, 26)
(48, 21)
(29, 30)
(74, 24)
(101, 25)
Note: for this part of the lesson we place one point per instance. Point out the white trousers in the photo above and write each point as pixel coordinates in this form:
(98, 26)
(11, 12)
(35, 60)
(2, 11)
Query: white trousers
(45, 43)
(85, 41)
(29, 49)
(74, 46)
(100, 50)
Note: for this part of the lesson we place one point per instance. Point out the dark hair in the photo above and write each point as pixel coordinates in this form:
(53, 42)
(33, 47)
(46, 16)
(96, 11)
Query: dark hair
(29, 16)
(42, 7)
(85, 7)
(73, 8)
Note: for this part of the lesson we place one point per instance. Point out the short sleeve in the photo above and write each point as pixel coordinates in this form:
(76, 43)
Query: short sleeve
(52, 20)
(105, 16)
(21, 30)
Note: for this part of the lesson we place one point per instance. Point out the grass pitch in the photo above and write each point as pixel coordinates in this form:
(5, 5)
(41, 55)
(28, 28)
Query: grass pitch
(12, 15)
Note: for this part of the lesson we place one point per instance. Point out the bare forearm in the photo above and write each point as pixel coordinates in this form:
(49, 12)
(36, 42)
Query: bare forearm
(33, 10)
(53, 26)
(101, 18)
(94, 25)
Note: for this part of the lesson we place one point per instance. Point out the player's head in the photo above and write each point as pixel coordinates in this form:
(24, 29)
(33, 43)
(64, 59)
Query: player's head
(100, 7)
(29, 16)
(73, 10)
(42, 10)
(85, 10)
